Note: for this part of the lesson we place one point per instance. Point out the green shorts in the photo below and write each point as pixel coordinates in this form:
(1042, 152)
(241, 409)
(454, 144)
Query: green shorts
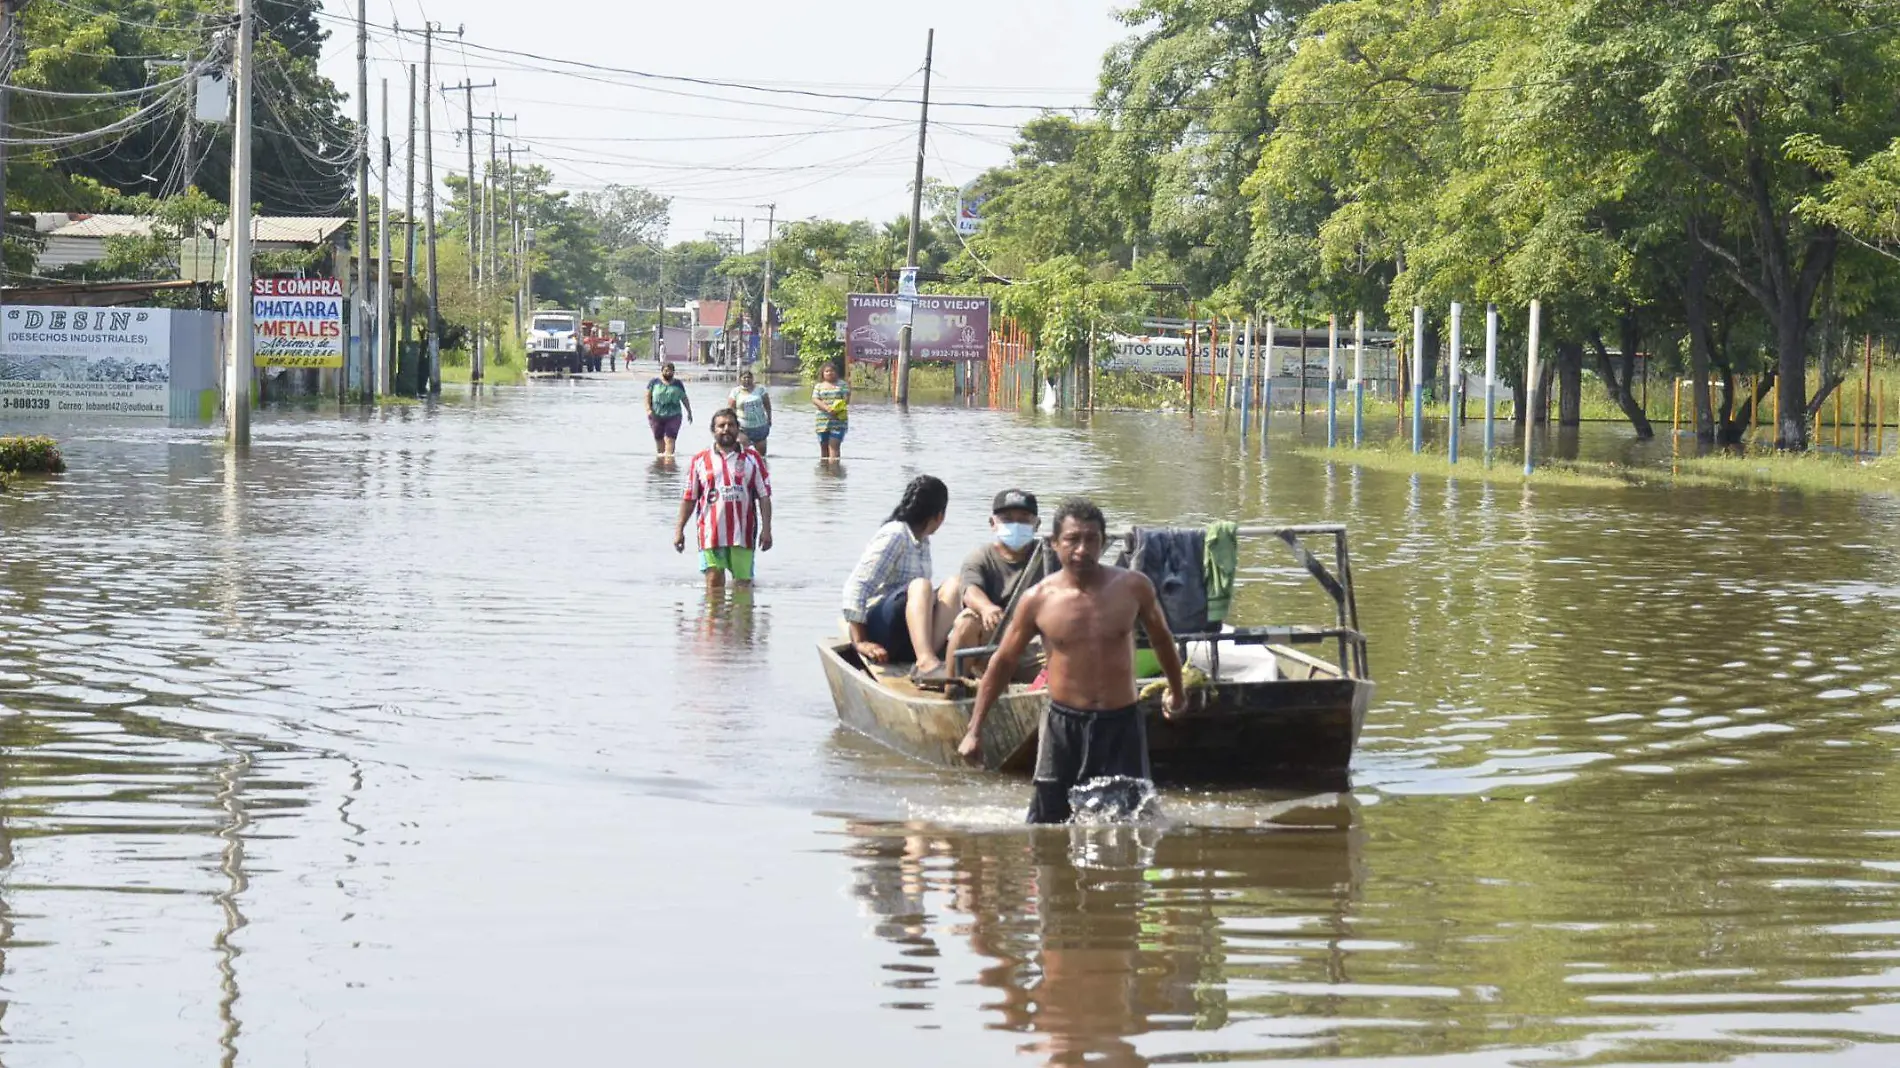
(728, 558)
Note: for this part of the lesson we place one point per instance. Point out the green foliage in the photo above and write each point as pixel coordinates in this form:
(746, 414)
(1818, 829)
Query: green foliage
(31, 456)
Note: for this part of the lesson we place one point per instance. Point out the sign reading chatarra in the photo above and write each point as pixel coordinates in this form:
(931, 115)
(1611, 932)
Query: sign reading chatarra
(298, 322)
(942, 328)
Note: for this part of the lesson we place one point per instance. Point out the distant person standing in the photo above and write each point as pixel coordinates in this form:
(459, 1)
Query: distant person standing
(729, 487)
(754, 406)
(832, 398)
(666, 400)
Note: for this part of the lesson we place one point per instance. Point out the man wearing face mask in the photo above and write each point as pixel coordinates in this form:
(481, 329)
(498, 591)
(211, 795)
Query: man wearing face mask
(996, 574)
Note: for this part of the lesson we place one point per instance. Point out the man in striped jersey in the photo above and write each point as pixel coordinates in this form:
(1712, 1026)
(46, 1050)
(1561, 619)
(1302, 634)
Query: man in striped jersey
(729, 487)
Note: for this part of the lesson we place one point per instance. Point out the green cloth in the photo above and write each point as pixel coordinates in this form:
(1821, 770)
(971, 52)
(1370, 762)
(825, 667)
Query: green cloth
(1223, 559)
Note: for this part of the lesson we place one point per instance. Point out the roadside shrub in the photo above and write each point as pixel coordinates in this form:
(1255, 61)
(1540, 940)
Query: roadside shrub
(31, 456)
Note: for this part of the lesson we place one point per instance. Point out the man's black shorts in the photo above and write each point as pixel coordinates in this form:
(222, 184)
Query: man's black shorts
(1077, 745)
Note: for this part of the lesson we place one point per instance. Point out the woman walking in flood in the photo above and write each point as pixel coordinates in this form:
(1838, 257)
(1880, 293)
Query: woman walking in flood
(832, 397)
(666, 401)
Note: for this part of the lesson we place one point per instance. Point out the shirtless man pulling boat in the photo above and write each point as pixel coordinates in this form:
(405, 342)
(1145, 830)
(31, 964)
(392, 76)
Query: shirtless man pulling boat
(1085, 615)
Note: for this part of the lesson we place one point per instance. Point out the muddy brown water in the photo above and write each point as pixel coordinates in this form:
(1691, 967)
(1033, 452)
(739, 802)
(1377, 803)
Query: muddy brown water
(408, 739)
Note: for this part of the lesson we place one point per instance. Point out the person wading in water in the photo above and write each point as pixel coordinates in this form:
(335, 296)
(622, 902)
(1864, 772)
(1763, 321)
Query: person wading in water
(1085, 615)
(729, 487)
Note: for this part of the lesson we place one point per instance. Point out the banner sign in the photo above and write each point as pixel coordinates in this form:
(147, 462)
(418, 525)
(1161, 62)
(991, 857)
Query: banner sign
(85, 361)
(969, 210)
(1168, 356)
(298, 322)
(942, 328)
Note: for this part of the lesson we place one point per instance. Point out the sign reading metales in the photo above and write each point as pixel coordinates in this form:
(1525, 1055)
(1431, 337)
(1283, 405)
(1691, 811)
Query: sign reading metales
(941, 328)
(85, 361)
(298, 322)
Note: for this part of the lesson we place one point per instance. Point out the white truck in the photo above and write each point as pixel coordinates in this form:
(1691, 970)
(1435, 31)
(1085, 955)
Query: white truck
(554, 343)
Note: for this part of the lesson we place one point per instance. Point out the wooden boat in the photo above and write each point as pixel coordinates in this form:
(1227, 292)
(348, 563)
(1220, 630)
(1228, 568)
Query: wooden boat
(1297, 728)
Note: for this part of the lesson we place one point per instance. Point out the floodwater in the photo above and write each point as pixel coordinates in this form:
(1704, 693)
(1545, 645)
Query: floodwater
(408, 739)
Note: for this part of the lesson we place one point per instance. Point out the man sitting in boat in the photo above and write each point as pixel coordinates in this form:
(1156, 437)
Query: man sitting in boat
(892, 610)
(996, 575)
(1085, 615)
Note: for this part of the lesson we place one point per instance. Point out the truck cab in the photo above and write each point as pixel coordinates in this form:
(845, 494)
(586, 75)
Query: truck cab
(554, 342)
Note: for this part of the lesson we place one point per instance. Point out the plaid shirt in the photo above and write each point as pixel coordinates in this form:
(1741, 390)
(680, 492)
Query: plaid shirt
(893, 559)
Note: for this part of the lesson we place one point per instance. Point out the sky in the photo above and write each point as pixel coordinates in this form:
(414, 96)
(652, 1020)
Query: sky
(830, 131)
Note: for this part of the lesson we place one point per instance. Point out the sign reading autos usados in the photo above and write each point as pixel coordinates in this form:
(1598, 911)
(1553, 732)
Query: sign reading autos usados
(298, 322)
(85, 361)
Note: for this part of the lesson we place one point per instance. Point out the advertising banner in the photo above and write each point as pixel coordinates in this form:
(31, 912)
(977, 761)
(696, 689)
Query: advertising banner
(942, 328)
(298, 322)
(85, 361)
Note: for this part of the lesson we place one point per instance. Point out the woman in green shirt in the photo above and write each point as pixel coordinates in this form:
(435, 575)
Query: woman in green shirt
(666, 400)
(832, 398)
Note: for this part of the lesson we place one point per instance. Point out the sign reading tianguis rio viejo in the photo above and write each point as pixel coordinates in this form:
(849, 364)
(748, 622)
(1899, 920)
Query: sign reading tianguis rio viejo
(298, 322)
(942, 328)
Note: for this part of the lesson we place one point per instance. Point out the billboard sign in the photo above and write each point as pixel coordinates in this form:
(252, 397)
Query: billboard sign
(85, 361)
(969, 210)
(942, 328)
(297, 322)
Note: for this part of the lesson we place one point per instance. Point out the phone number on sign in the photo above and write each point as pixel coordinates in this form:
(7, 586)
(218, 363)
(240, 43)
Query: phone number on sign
(37, 403)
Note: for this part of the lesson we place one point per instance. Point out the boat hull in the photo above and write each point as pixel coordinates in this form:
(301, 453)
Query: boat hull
(1289, 732)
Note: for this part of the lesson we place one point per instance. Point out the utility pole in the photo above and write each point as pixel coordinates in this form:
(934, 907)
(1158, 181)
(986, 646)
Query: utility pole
(237, 368)
(428, 198)
(474, 215)
(358, 361)
(916, 210)
(9, 55)
(409, 220)
(730, 345)
(514, 246)
(765, 298)
(385, 331)
(491, 229)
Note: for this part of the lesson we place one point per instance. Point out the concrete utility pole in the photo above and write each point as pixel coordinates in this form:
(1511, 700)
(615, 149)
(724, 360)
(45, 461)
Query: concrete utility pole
(474, 212)
(356, 363)
(916, 211)
(237, 368)
(514, 243)
(428, 198)
(491, 229)
(385, 332)
(409, 220)
(9, 55)
(765, 296)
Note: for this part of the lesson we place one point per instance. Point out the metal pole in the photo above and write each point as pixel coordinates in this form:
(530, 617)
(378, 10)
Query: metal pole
(1266, 380)
(1530, 385)
(1332, 380)
(379, 368)
(409, 219)
(1490, 380)
(1418, 377)
(916, 211)
(237, 368)
(514, 240)
(428, 207)
(9, 54)
(1244, 337)
(356, 356)
(1454, 371)
(1358, 378)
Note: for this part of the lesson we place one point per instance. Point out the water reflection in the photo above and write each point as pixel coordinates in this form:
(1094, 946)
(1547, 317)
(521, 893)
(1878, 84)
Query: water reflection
(1091, 937)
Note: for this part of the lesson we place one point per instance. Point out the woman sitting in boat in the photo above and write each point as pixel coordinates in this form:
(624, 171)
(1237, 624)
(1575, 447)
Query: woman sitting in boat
(894, 613)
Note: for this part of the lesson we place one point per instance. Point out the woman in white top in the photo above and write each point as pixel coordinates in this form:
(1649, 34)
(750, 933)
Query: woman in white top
(754, 407)
(893, 612)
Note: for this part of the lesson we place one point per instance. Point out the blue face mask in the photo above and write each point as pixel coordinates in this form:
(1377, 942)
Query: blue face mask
(1014, 536)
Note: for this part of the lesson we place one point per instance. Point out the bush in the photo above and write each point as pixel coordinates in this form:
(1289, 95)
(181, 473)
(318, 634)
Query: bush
(31, 456)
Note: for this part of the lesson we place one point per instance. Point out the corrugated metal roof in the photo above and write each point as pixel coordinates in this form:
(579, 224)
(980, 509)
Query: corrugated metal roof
(283, 229)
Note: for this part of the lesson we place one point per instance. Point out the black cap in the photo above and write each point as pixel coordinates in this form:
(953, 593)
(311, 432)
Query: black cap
(1011, 499)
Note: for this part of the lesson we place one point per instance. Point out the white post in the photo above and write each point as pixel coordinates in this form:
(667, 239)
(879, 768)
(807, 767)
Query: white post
(1454, 374)
(237, 368)
(1490, 378)
(1418, 378)
(1332, 380)
(1532, 375)
(1358, 377)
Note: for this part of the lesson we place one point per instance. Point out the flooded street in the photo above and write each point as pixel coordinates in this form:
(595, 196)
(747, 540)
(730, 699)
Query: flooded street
(408, 739)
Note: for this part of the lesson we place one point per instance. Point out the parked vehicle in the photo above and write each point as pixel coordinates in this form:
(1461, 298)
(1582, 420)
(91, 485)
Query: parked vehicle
(554, 343)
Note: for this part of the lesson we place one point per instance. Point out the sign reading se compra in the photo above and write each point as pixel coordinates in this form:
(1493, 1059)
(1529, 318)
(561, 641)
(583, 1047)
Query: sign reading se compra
(297, 322)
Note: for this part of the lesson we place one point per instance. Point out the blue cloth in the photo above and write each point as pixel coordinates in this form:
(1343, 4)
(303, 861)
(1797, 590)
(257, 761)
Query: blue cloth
(884, 623)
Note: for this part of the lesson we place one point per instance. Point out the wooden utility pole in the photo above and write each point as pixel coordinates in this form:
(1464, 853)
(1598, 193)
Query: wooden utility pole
(916, 212)
(473, 213)
(379, 366)
(409, 220)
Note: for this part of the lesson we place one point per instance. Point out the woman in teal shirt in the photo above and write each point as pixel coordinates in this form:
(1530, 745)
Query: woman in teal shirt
(832, 398)
(666, 400)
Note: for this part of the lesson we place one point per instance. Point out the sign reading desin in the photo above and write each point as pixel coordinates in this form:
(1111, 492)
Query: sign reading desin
(85, 361)
(941, 328)
(298, 322)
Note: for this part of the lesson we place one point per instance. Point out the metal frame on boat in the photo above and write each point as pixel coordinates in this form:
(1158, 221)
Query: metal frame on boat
(1298, 728)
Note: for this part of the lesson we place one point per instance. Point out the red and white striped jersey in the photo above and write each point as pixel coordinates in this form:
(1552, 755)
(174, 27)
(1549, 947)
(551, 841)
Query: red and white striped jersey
(725, 488)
